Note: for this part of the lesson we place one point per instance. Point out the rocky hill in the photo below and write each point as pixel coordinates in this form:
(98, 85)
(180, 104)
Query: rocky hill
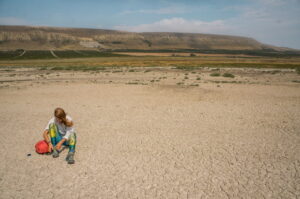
(54, 38)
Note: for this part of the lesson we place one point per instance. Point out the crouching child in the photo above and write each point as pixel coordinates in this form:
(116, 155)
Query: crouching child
(60, 131)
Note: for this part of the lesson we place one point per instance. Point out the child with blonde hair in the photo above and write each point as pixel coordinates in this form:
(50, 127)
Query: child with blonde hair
(59, 131)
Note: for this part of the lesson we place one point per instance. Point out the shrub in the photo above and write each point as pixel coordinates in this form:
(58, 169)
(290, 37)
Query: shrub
(148, 42)
(44, 68)
(187, 68)
(228, 75)
(57, 68)
(194, 85)
(78, 68)
(215, 74)
(117, 71)
(275, 72)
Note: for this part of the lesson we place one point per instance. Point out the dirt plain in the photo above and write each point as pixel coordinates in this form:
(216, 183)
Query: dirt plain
(153, 133)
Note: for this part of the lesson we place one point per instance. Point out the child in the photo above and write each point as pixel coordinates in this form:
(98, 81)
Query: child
(61, 131)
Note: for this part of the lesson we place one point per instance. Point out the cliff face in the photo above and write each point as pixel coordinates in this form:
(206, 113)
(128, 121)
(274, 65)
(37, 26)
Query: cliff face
(44, 38)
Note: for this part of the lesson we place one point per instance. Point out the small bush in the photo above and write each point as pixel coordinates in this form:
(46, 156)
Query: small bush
(228, 75)
(275, 72)
(187, 68)
(194, 85)
(198, 78)
(44, 68)
(8, 70)
(298, 70)
(78, 68)
(215, 74)
(192, 55)
(57, 68)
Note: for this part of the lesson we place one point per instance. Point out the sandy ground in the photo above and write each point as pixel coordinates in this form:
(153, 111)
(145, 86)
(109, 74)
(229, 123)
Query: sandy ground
(143, 134)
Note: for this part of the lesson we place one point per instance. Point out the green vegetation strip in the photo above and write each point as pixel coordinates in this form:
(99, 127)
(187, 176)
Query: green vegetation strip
(240, 65)
(264, 52)
(46, 54)
(74, 68)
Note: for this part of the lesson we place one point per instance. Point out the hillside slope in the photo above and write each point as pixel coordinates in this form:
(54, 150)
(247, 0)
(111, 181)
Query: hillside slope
(44, 38)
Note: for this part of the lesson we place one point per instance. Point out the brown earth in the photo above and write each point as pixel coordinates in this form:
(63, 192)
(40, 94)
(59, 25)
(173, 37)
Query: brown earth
(153, 133)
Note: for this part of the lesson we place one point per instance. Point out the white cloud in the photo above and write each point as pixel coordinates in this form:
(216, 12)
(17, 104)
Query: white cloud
(255, 14)
(13, 21)
(272, 2)
(273, 22)
(178, 25)
(167, 10)
(271, 25)
(277, 3)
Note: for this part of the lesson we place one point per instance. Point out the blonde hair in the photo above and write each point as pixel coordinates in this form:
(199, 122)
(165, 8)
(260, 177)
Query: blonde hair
(61, 114)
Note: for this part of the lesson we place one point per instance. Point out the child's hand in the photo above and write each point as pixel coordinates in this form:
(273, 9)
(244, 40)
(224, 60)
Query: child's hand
(58, 146)
(50, 147)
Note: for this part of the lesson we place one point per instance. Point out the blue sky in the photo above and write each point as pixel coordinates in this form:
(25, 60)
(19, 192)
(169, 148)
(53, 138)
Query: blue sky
(275, 22)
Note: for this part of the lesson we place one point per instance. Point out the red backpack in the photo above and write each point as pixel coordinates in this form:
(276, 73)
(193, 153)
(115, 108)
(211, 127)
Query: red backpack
(42, 147)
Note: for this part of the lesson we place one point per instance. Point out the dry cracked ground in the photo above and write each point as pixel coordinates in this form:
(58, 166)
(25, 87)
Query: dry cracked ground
(146, 135)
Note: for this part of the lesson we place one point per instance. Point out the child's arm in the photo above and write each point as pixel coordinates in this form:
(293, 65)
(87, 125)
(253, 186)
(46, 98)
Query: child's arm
(58, 146)
(47, 139)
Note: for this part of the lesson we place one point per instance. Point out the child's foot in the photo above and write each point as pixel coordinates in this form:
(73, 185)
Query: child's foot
(55, 153)
(70, 158)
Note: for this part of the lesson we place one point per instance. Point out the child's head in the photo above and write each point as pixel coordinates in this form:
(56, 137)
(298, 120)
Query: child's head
(60, 115)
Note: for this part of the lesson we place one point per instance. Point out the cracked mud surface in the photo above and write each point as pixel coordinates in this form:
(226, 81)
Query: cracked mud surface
(154, 141)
